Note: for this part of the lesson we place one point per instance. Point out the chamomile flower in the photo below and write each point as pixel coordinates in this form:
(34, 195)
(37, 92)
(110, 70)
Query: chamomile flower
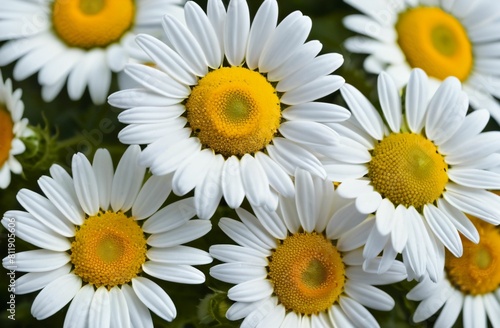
(471, 285)
(300, 266)
(444, 38)
(77, 42)
(12, 127)
(95, 249)
(230, 107)
(420, 172)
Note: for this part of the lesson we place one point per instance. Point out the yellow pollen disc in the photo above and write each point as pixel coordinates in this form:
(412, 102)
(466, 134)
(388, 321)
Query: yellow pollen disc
(6, 134)
(307, 273)
(407, 169)
(436, 42)
(92, 23)
(478, 270)
(109, 249)
(234, 111)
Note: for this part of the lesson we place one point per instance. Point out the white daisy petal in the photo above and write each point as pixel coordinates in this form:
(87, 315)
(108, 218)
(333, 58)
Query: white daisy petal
(216, 14)
(416, 100)
(356, 237)
(139, 313)
(55, 295)
(343, 220)
(475, 178)
(152, 195)
(272, 222)
(389, 101)
(236, 30)
(179, 255)
(236, 273)
(232, 185)
(100, 308)
(38, 260)
(492, 307)
(208, 194)
(369, 296)
(254, 180)
(251, 291)
(180, 273)
(235, 253)
(127, 180)
(316, 112)
(400, 231)
(189, 175)
(78, 311)
(277, 177)
(357, 313)
(368, 202)
(306, 207)
(238, 232)
(175, 155)
(262, 26)
(104, 172)
(148, 115)
(480, 203)
(189, 231)
(170, 217)
(451, 310)
(85, 184)
(34, 281)
(413, 251)
(154, 298)
(444, 229)
(309, 133)
(476, 147)
(267, 226)
(474, 313)
(118, 309)
(318, 88)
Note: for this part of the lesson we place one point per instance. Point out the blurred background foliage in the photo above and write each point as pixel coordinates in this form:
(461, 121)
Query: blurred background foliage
(80, 126)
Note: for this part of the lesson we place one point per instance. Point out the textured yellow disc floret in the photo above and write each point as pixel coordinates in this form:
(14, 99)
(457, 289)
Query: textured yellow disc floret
(234, 111)
(407, 169)
(6, 134)
(436, 42)
(478, 270)
(108, 250)
(92, 23)
(307, 273)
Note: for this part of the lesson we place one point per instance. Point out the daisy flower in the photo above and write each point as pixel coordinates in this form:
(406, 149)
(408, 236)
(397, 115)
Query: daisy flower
(419, 172)
(444, 38)
(471, 285)
(300, 266)
(230, 107)
(12, 127)
(80, 42)
(95, 249)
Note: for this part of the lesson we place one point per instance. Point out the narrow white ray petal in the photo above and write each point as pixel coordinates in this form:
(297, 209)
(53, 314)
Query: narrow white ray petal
(274, 318)
(316, 112)
(190, 231)
(358, 314)
(263, 25)
(154, 297)
(175, 155)
(127, 180)
(104, 172)
(235, 253)
(55, 296)
(216, 14)
(416, 100)
(350, 151)
(240, 310)
(185, 44)
(179, 255)
(444, 229)
(251, 291)
(355, 237)
(208, 192)
(166, 59)
(39, 260)
(85, 184)
(399, 235)
(385, 217)
(375, 243)
(369, 296)
(34, 281)
(34, 60)
(319, 66)
(474, 314)
(291, 320)
(492, 307)
(170, 217)
(431, 305)
(318, 88)
(459, 220)
(45, 212)
(260, 311)
(180, 273)
(309, 133)
(148, 115)
(413, 251)
(150, 132)
(99, 78)
(59, 67)
(157, 81)
(236, 273)
(451, 310)
(291, 156)
(78, 311)
(475, 178)
(368, 202)
(254, 180)
(118, 309)
(100, 308)
(152, 195)
(396, 273)
(288, 210)
(140, 98)
(278, 179)
(199, 25)
(287, 37)
(339, 318)
(306, 200)
(232, 185)
(343, 220)
(389, 101)
(34, 232)
(187, 176)
(364, 111)
(262, 224)
(479, 203)
(479, 146)
(424, 289)
(272, 222)
(238, 232)
(236, 30)
(139, 313)
(369, 27)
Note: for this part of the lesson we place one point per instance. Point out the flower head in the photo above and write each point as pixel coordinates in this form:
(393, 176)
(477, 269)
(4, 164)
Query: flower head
(230, 106)
(300, 266)
(419, 172)
(443, 38)
(80, 42)
(96, 248)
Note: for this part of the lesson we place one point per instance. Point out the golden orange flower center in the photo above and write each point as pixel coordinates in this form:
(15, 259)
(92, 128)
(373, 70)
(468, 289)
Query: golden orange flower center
(109, 249)
(408, 169)
(307, 272)
(92, 23)
(234, 111)
(436, 42)
(6, 134)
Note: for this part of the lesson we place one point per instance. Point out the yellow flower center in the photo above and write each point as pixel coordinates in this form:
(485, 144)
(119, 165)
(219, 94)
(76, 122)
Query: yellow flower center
(407, 169)
(307, 273)
(92, 23)
(436, 42)
(234, 111)
(6, 134)
(108, 250)
(478, 270)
